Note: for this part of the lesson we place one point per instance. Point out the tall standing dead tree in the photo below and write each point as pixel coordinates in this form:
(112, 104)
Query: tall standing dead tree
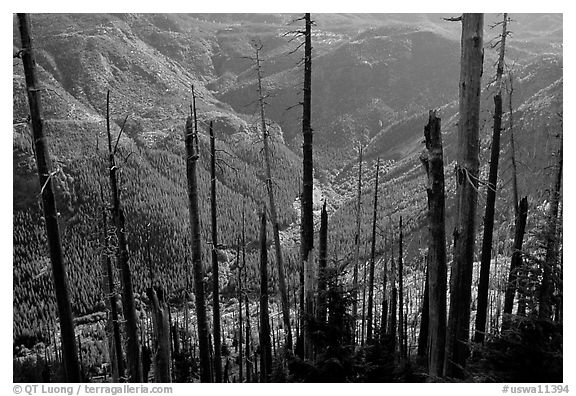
(491, 196)
(108, 270)
(322, 274)
(357, 249)
(401, 322)
(547, 286)
(192, 155)
(466, 194)
(307, 222)
(433, 161)
(265, 347)
(215, 271)
(133, 350)
(284, 299)
(59, 276)
(369, 331)
(516, 262)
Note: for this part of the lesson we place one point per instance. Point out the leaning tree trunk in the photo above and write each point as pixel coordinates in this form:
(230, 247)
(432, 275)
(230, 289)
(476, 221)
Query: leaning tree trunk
(322, 274)
(515, 263)
(307, 222)
(273, 215)
(547, 287)
(133, 351)
(357, 250)
(433, 161)
(466, 195)
(372, 260)
(265, 350)
(486, 256)
(161, 325)
(215, 271)
(198, 269)
(59, 276)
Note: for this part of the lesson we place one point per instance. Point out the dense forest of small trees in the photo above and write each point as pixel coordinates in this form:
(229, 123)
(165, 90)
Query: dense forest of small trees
(324, 312)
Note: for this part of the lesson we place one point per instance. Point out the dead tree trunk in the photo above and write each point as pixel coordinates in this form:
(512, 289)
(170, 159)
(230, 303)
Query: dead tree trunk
(357, 251)
(59, 276)
(133, 351)
(372, 259)
(515, 263)
(240, 322)
(162, 355)
(192, 154)
(425, 319)
(433, 161)
(466, 195)
(273, 215)
(118, 361)
(265, 350)
(486, 256)
(215, 271)
(547, 287)
(401, 323)
(384, 319)
(322, 275)
(307, 222)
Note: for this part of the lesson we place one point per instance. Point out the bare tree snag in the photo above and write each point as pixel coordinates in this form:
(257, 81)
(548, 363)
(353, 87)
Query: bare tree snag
(369, 330)
(215, 271)
(322, 275)
(307, 223)
(490, 197)
(265, 349)
(133, 350)
(515, 263)
(433, 161)
(401, 323)
(466, 195)
(284, 299)
(551, 258)
(161, 324)
(191, 143)
(59, 276)
(357, 249)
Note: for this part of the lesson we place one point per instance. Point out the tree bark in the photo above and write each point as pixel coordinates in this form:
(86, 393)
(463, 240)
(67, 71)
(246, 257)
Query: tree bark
(59, 276)
(285, 301)
(215, 271)
(369, 329)
(190, 138)
(466, 195)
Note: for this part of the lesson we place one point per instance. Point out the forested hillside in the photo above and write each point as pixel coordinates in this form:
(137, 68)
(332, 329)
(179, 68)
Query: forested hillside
(374, 79)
